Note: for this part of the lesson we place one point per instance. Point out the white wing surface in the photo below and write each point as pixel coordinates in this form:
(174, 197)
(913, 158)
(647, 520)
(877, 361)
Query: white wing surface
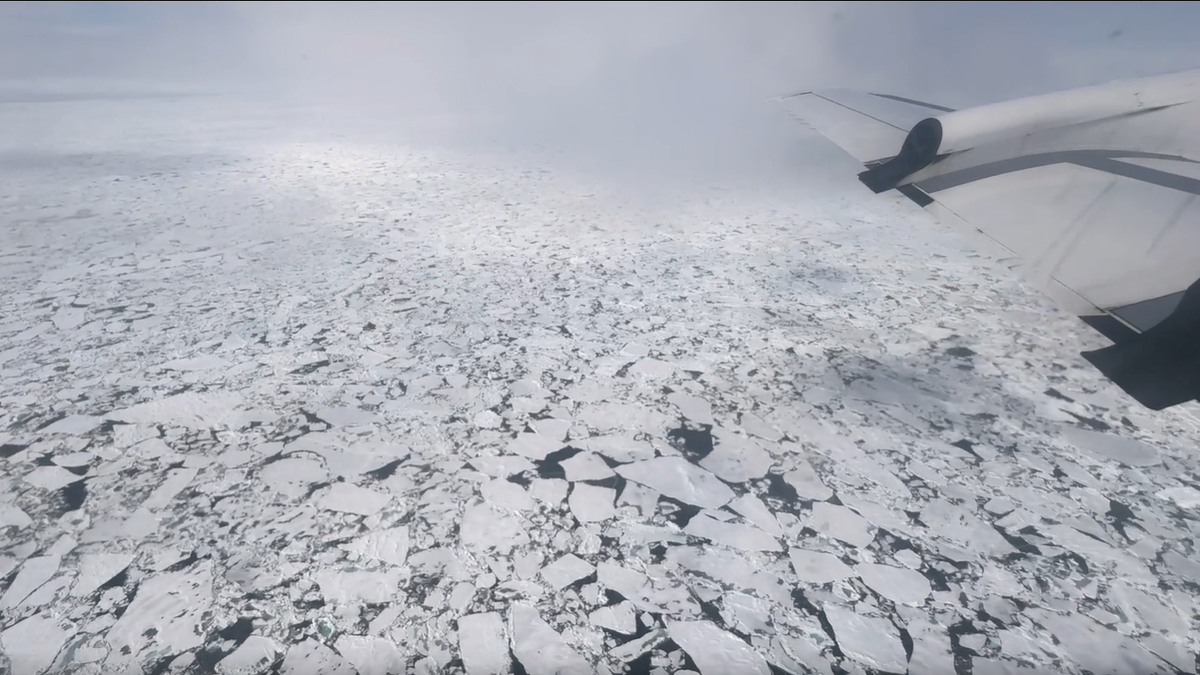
(1095, 191)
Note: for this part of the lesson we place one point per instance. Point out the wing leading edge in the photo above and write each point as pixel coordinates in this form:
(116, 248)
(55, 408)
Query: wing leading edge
(1094, 193)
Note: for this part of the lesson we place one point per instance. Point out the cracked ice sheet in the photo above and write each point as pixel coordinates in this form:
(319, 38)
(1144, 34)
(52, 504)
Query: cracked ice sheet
(362, 437)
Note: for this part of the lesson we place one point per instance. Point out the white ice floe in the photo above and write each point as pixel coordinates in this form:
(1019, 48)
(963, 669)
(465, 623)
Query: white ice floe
(483, 643)
(591, 503)
(620, 447)
(733, 535)
(252, 656)
(757, 426)
(551, 491)
(310, 657)
(539, 648)
(50, 477)
(189, 409)
(13, 516)
(200, 362)
(534, 445)
(872, 641)
(585, 466)
(74, 425)
(343, 587)
(293, 476)
(174, 483)
(371, 655)
(1095, 648)
(34, 572)
(839, 522)
(1109, 446)
(484, 528)
(807, 482)
(692, 407)
(646, 593)
(651, 369)
(816, 567)
(501, 466)
(611, 416)
(346, 416)
(349, 498)
(737, 459)
(506, 494)
(174, 605)
(675, 477)
(754, 510)
(931, 649)
(389, 546)
(73, 460)
(32, 643)
(552, 427)
(68, 318)
(796, 654)
(487, 419)
(732, 568)
(95, 569)
(621, 617)
(716, 651)
(139, 525)
(566, 571)
(898, 584)
(1185, 497)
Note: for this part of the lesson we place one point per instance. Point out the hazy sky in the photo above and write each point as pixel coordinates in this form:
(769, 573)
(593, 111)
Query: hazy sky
(940, 47)
(622, 77)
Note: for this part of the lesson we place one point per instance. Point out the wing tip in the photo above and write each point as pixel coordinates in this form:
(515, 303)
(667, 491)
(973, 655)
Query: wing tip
(794, 94)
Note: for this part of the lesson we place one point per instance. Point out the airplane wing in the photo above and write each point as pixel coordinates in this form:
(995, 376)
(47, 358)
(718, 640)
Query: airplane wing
(1095, 193)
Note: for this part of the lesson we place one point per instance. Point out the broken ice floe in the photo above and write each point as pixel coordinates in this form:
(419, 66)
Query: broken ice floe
(715, 650)
(872, 641)
(679, 479)
(596, 458)
(539, 648)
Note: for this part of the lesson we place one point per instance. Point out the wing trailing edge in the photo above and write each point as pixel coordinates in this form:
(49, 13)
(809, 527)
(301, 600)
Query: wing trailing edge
(1095, 192)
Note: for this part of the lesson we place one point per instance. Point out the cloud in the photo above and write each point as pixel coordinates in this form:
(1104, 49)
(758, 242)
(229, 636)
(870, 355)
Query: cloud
(652, 86)
(967, 53)
(459, 55)
(635, 88)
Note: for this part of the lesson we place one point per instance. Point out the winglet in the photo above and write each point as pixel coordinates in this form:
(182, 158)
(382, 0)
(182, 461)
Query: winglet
(920, 149)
